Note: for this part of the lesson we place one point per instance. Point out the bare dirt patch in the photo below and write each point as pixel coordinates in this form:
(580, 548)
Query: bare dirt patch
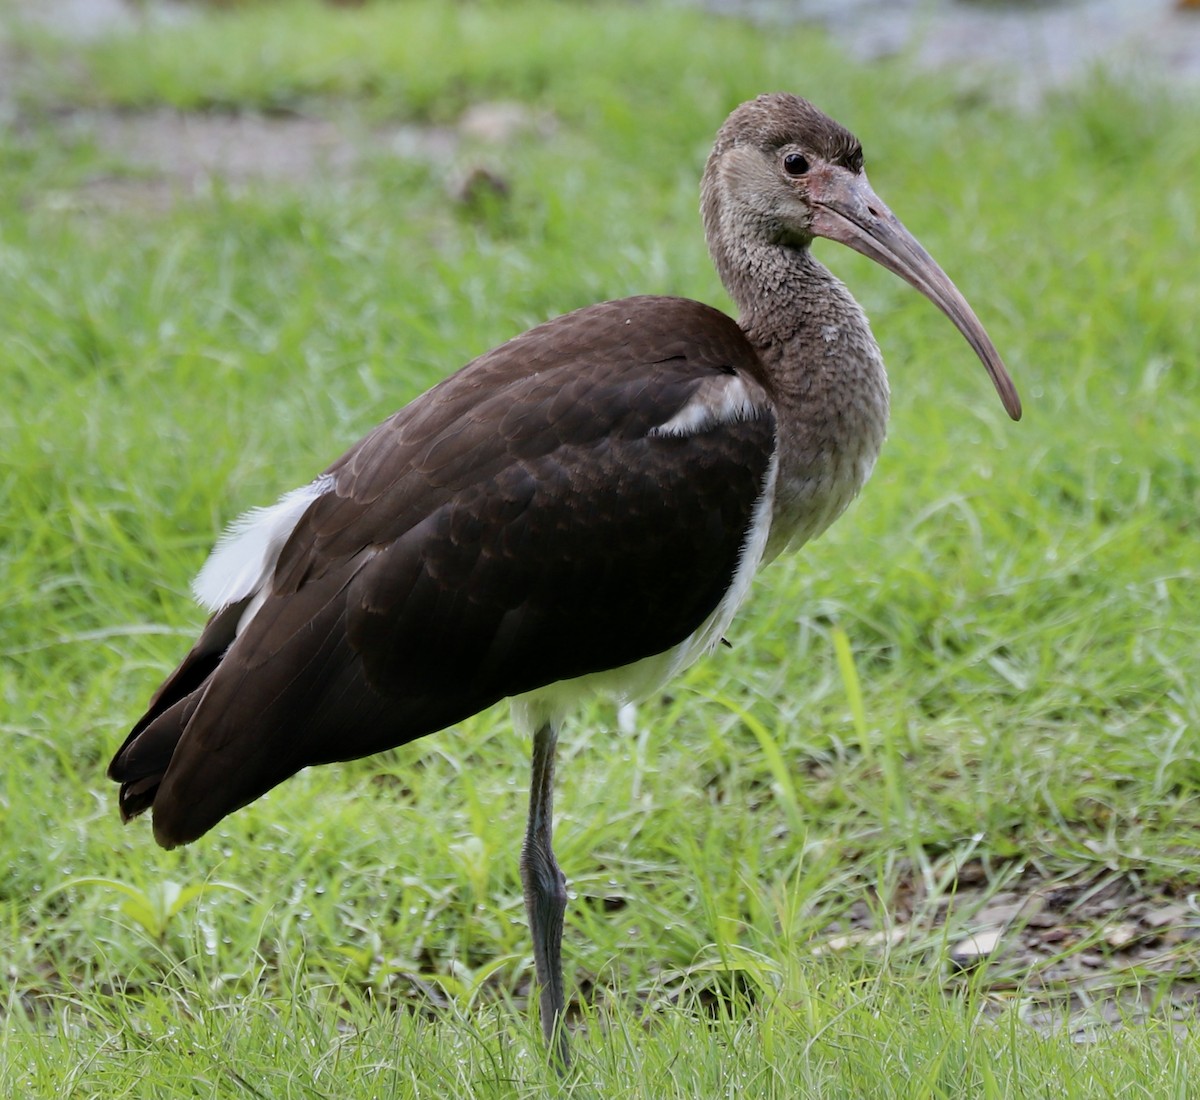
(163, 156)
(1021, 48)
(1080, 954)
(154, 159)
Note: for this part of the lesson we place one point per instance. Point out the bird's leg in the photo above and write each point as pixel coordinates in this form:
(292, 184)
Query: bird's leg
(545, 892)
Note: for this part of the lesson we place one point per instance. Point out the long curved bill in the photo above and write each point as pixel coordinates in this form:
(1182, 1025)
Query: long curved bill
(847, 210)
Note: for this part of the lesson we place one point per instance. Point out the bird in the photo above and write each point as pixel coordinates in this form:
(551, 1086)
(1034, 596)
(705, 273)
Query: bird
(578, 511)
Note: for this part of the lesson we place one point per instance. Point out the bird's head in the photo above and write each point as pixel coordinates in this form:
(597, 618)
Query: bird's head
(781, 173)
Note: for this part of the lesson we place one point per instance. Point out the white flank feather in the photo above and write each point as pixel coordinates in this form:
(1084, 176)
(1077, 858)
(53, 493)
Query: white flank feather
(241, 563)
(707, 409)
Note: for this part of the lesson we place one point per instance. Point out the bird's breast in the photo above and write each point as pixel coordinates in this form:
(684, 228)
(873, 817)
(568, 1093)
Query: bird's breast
(832, 407)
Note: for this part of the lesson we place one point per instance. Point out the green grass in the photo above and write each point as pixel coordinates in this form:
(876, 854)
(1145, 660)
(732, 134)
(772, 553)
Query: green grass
(989, 663)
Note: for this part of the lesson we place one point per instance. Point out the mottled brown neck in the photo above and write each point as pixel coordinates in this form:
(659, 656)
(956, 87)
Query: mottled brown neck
(824, 372)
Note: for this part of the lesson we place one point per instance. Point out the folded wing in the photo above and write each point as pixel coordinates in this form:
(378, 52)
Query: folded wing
(572, 502)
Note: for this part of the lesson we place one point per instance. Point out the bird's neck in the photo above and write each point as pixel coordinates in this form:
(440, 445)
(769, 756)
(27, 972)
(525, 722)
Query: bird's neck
(827, 379)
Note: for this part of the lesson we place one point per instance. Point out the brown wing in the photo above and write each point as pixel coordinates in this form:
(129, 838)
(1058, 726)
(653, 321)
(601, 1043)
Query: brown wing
(520, 524)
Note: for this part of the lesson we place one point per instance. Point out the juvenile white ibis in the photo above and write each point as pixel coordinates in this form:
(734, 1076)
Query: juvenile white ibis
(580, 510)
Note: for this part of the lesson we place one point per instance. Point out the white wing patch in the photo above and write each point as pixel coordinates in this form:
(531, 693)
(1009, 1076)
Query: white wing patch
(241, 563)
(724, 401)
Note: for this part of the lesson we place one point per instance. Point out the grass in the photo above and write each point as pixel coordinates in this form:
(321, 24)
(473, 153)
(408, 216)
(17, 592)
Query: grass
(987, 666)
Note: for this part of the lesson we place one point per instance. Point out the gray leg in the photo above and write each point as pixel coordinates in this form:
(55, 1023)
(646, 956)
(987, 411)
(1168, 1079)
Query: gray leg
(545, 892)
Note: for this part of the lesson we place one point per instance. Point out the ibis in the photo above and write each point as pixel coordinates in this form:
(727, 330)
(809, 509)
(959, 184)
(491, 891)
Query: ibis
(578, 511)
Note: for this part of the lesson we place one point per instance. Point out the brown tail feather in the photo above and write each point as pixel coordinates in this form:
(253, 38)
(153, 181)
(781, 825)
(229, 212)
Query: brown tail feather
(143, 759)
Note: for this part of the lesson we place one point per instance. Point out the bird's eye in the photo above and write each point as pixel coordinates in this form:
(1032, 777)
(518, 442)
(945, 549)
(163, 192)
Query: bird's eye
(795, 165)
